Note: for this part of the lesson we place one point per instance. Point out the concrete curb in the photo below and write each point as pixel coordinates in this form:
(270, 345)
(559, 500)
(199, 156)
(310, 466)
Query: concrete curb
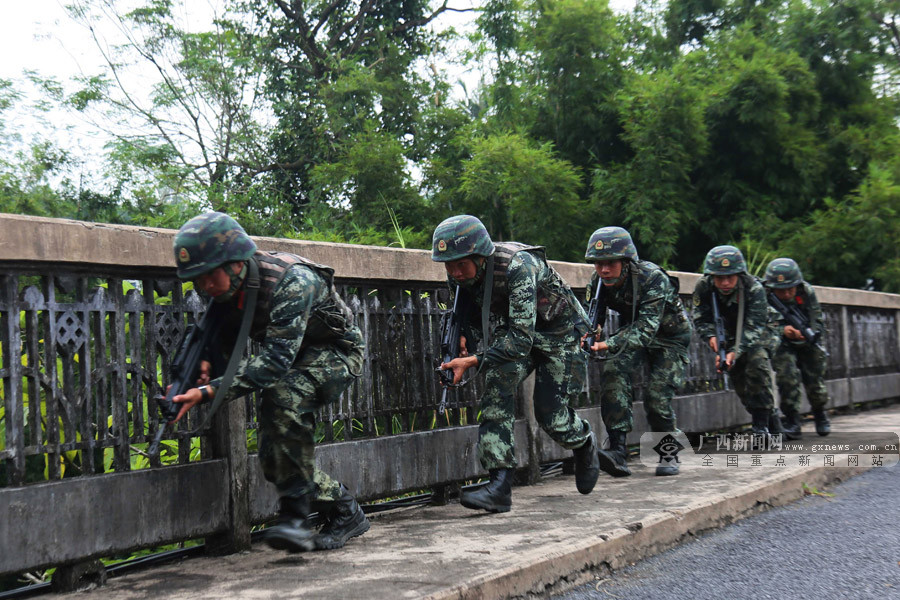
(562, 566)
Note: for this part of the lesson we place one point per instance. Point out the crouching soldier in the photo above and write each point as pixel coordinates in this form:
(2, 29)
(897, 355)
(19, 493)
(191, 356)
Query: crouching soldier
(742, 306)
(539, 324)
(310, 351)
(655, 331)
(798, 359)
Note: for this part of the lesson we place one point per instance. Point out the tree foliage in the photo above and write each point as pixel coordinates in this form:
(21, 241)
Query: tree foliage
(767, 123)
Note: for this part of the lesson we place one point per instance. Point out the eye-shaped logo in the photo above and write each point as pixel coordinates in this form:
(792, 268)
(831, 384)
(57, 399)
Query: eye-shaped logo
(781, 278)
(726, 262)
(442, 246)
(668, 449)
(183, 255)
(599, 245)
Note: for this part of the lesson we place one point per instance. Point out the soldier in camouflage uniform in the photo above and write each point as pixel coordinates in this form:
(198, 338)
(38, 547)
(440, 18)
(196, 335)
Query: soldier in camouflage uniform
(749, 339)
(655, 330)
(538, 324)
(798, 360)
(310, 352)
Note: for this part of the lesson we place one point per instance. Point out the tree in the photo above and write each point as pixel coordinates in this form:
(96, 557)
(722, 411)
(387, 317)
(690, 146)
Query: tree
(183, 109)
(342, 77)
(513, 185)
(653, 194)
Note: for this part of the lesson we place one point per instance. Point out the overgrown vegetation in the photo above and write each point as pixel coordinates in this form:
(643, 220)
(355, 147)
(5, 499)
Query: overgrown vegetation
(692, 123)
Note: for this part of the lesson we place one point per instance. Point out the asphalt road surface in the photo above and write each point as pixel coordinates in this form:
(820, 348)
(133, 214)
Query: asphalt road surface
(841, 546)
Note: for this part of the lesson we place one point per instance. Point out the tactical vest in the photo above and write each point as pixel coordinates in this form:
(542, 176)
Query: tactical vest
(327, 322)
(729, 309)
(802, 302)
(673, 320)
(551, 297)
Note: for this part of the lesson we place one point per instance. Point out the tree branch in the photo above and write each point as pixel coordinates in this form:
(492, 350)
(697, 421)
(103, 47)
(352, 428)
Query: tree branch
(420, 22)
(363, 9)
(324, 18)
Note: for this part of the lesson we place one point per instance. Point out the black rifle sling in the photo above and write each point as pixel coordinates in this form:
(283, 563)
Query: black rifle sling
(634, 303)
(252, 286)
(486, 310)
(740, 317)
(485, 315)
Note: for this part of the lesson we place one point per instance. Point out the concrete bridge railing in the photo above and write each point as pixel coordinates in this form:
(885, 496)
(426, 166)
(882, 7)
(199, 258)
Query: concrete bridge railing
(90, 316)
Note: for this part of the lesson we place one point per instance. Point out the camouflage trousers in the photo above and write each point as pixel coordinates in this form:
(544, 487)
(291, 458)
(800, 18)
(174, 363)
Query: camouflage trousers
(287, 421)
(751, 376)
(559, 379)
(796, 365)
(667, 372)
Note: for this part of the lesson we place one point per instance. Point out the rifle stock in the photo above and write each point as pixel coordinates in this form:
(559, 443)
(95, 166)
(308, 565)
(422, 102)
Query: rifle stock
(185, 367)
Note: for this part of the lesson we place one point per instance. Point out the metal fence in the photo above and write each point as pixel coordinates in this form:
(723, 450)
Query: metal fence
(84, 355)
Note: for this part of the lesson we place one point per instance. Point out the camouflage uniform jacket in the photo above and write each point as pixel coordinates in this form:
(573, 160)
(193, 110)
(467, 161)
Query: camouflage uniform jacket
(808, 302)
(297, 306)
(660, 320)
(758, 329)
(530, 304)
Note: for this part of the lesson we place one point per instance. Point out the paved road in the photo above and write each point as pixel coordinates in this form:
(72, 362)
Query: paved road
(843, 546)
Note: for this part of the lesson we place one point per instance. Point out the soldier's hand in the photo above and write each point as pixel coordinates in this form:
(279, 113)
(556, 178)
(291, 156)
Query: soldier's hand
(729, 360)
(599, 346)
(463, 351)
(459, 366)
(205, 368)
(188, 400)
(714, 344)
(792, 333)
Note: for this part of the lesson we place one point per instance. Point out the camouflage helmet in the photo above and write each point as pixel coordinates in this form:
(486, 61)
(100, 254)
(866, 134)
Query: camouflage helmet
(608, 243)
(724, 260)
(208, 241)
(783, 273)
(459, 237)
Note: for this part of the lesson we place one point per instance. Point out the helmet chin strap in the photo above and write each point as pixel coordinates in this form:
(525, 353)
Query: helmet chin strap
(479, 273)
(618, 280)
(236, 279)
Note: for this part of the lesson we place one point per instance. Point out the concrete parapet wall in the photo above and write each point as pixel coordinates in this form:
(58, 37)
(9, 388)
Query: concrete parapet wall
(28, 239)
(98, 325)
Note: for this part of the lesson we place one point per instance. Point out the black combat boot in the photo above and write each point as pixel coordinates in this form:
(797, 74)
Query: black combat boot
(668, 465)
(760, 423)
(587, 465)
(791, 425)
(823, 425)
(344, 520)
(612, 460)
(775, 427)
(495, 496)
(667, 469)
(292, 532)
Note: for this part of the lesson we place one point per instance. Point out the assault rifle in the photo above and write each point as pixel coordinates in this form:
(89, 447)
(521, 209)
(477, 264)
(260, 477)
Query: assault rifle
(719, 322)
(185, 368)
(795, 318)
(451, 331)
(596, 315)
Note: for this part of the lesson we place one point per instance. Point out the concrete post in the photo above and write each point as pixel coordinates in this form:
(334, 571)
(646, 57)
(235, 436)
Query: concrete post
(534, 438)
(845, 344)
(228, 440)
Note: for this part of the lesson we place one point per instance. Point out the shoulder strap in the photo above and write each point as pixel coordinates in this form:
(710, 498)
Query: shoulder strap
(238, 351)
(740, 316)
(634, 303)
(486, 306)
